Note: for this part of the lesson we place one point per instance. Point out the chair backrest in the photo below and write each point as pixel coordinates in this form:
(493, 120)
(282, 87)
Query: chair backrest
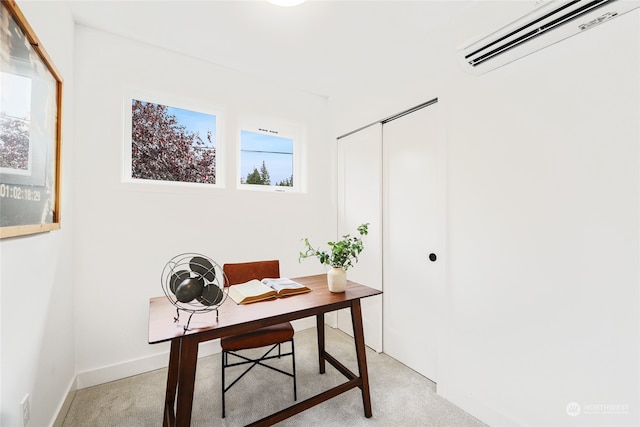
(241, 272)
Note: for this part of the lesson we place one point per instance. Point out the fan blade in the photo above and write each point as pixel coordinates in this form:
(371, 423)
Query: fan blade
(177, 278)
(203, 267)
(211, 295)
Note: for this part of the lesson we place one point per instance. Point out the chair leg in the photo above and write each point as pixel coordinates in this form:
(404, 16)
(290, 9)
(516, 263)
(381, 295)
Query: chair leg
(293, 363)
(224, 364)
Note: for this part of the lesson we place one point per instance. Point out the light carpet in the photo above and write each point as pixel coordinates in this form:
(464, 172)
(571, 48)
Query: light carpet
(399, 395)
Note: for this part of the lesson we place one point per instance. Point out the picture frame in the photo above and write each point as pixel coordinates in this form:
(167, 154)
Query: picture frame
(30, 129)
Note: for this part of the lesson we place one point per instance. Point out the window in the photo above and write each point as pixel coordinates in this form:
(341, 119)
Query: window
(172, 144)
(269, 158)
(16, 155)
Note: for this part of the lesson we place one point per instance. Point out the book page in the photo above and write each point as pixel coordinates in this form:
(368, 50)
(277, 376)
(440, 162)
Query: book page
(251, 291)
(283, 285)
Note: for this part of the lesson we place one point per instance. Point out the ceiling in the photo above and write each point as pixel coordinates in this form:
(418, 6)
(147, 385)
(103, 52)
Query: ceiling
(319, 46)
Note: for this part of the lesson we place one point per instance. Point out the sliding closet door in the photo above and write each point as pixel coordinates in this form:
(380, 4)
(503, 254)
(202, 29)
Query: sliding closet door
(413, 238)
(359, 201)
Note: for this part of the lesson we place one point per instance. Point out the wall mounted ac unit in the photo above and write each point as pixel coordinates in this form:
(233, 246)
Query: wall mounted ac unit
(547, 23)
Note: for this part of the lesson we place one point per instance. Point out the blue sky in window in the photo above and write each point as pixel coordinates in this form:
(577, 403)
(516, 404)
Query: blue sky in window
(275, 151)
(195, 122)
(15, 96)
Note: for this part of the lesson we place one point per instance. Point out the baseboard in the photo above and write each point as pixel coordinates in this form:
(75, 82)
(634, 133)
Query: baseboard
(474, 407)
(302, 324)
(130, 368)
(66, 403)
(157, 361)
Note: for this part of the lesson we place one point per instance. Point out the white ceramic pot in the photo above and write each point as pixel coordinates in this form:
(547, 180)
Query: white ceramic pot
(337, 279)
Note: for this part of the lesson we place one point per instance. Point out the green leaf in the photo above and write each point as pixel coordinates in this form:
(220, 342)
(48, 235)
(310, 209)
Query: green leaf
(343, 253)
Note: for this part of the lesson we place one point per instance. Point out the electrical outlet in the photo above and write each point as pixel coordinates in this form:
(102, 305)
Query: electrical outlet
(25, 410)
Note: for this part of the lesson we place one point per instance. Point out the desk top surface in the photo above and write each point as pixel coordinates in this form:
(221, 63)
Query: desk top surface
(234, 318)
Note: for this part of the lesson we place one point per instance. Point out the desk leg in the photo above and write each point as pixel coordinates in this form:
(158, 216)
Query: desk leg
(358, 335)
(186, 381)
(172, 384)
(320, 329)
(181, 379)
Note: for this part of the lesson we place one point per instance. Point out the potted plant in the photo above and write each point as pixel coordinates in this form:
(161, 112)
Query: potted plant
(342, 255)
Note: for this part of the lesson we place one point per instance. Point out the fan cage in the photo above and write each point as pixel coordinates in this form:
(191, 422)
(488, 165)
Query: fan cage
(176, 268)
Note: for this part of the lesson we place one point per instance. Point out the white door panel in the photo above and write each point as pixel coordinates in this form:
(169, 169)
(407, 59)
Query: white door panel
(413, 163)
(359, 201)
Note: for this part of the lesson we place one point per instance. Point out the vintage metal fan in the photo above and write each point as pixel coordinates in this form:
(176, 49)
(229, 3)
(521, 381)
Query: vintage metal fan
(193, 283)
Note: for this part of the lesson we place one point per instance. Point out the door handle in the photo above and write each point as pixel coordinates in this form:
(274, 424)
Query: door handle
(433, 257)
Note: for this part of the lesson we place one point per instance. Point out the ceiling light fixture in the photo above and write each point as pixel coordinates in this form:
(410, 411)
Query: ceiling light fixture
(286, 3)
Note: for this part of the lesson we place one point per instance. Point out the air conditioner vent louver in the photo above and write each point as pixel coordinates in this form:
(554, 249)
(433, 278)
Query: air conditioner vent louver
(546, 25)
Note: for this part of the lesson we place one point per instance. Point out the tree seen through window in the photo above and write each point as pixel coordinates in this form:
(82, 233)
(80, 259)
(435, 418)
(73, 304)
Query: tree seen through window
(171, 144)
(266, 159)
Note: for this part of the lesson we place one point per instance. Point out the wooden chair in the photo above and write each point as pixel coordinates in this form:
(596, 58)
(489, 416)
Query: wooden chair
(273, 336)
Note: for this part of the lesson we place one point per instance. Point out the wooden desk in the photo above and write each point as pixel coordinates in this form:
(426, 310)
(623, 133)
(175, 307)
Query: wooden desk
(234, 319)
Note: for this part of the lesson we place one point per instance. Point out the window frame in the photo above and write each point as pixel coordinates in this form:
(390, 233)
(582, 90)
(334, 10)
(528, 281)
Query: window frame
(183, 104)
(295, 132)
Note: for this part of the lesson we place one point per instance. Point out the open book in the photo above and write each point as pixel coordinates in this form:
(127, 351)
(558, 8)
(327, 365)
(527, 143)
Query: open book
(258, 290)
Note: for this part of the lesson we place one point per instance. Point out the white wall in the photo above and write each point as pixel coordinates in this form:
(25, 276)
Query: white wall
(126, 234)
(559, 211)
(542, 297)
(543, 209)
(36, 272)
